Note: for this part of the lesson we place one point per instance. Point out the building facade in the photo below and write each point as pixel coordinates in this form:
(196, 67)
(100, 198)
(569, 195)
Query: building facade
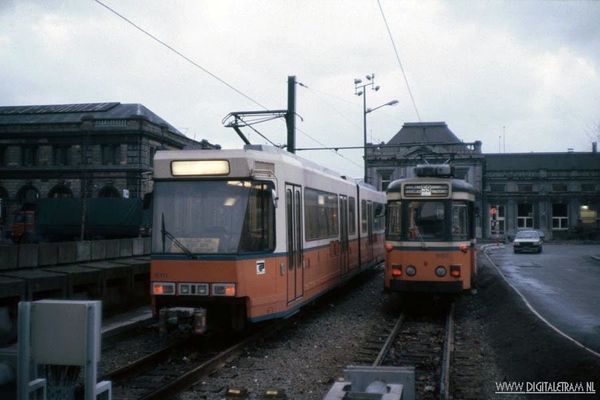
(557, 193)
(79, 150)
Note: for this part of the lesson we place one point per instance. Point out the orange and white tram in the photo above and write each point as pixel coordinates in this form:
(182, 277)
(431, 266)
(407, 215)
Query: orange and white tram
(430, 232)
(254, 234)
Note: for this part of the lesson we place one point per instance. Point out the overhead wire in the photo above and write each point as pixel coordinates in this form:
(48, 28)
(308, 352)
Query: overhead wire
(180, 54)
(399, 62)
(214, 76)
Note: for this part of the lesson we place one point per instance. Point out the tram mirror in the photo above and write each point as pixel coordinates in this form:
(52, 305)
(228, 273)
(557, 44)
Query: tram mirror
(274, 197)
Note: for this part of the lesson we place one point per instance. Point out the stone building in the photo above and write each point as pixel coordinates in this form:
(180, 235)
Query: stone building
(79, 150)
(556, 193)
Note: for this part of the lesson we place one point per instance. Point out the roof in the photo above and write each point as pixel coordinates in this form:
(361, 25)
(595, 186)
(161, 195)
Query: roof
(73, 113)
(423, 133)
(547, 161)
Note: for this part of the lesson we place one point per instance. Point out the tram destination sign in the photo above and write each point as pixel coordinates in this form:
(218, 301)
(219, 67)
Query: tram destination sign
(426, 190)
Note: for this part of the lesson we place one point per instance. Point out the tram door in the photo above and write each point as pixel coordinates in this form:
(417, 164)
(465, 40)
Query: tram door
(344, 247)
(295, 272)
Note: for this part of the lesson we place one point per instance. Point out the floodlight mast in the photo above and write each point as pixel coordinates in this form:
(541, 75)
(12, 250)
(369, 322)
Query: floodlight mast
(360, 90)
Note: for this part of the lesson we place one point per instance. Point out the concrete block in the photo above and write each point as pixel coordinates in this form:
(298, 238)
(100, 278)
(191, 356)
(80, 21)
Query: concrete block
(67, 252)
(84, 251)
(9, 256)
(47, 254)
(138, 247)
(147, 245)
(126, 249)
(28, 255)
(98, 249)
(113, 248)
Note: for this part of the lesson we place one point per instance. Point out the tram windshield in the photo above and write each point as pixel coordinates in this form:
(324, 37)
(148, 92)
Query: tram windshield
(428, 220)
(225, 217)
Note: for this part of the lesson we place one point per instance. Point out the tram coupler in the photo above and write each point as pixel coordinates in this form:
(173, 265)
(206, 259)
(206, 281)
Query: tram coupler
(199, 320)
(183, 318)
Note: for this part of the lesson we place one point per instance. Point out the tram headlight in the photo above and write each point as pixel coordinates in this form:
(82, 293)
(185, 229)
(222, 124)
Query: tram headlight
(163, 288)
(440, 271)
(396, 270)
(411, 270)
(223, 289)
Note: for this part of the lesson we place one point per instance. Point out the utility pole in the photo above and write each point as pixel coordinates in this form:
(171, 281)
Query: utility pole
(290, 116)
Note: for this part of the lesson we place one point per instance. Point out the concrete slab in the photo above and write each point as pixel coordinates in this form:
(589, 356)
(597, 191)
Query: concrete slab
(12, 287)
(82, 280)
(41, 284)
(9, 256)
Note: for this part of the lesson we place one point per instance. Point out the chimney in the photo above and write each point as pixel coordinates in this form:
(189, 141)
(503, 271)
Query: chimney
(594, 147)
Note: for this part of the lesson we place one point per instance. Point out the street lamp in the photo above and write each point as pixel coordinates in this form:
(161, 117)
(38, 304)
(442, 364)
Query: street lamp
(360, 90)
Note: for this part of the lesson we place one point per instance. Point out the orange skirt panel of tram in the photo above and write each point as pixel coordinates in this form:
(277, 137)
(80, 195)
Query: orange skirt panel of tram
(429, 270)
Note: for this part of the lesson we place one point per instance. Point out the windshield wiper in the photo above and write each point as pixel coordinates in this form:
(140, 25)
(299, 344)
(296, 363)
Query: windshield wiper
(166, 233)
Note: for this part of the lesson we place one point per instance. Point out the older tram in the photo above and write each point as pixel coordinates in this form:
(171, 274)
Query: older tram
(430, 232)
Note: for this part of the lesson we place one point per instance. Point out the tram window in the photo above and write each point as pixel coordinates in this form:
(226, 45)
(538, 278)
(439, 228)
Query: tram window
(426, 220)
(352, 215)
(258, 233)
(363, 216)
(460, 221)
(379, 216)
(394, 221)
(321, 214)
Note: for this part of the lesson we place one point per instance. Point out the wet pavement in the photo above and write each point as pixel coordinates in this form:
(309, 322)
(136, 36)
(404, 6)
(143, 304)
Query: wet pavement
(562, 285)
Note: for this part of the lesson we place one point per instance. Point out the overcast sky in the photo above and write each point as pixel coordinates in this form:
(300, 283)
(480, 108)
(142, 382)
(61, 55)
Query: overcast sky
(521, 76)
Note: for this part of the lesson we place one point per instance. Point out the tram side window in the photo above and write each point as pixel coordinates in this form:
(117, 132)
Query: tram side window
(426, 220)
(394, 221)
(460, 221)
(321, 214)
(363, 216)
(379, 217)
(352, 215)
(258, 233)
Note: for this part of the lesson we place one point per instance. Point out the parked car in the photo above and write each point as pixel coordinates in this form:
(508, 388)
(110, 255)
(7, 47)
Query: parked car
(528, 240)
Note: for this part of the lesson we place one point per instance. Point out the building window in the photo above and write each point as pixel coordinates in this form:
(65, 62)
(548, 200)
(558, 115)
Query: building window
(559, 187)
(588, 187)
(29, 156)
(60, 190)
(560, 217)
(524, 216)
(497, 187)
(462, 173)
(110, 154)
(526, 187)
(61, 155)
(152, 153)
(3, 159)
(587, 215)
(386, 179)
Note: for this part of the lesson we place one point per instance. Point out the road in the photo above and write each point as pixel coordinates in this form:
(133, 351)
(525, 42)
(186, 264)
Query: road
(562, 284)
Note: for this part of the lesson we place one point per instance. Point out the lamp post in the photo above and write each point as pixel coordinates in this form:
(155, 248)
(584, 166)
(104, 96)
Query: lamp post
(360, 90)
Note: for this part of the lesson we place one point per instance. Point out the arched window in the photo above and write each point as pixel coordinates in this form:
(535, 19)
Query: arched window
(28, 194)
(3, 205)
(109, 191)
(60, 190)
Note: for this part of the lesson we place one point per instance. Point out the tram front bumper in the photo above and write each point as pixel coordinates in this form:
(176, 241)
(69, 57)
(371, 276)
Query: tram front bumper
(426, 287)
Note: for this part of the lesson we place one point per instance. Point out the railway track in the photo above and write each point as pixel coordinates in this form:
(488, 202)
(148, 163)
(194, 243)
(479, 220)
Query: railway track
(180, 364)
(422, 338)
